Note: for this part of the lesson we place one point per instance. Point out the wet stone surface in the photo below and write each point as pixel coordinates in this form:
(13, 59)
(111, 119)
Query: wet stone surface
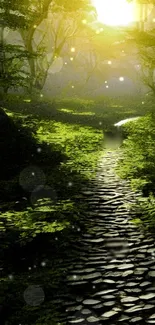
(112, 279)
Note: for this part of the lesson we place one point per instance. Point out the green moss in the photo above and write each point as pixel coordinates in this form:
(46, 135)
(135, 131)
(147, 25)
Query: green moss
(138, 165)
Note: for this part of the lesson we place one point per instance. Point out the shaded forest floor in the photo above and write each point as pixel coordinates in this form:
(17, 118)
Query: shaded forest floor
(58, 145)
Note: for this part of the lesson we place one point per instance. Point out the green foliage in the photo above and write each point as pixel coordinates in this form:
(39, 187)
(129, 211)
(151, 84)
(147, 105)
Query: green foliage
(13, 14)
(74, 5)
(80, 144)
(146, 210)
(31, 222)
(13, 65)
(13, 58)
(145, 43)
(138, 163)
(69, 154)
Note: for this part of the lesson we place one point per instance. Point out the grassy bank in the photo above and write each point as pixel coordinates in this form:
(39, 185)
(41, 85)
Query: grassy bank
(138, 165)
(41, 208)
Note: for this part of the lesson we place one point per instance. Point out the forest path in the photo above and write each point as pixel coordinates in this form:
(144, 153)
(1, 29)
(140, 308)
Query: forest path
(112, 281)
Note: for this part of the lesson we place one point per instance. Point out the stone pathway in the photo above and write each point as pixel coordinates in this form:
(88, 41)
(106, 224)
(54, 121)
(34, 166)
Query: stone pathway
(113, 279)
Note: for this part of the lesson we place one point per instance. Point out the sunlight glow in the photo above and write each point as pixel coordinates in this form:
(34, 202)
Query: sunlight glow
(121, 79)
(109, 62)
(72, 49)
(114, 12)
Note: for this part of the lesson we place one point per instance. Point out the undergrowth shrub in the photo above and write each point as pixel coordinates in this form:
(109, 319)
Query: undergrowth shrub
(138, 165)
(138, 162)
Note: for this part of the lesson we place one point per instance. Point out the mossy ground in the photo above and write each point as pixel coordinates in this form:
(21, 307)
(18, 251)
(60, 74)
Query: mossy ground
(138, 166)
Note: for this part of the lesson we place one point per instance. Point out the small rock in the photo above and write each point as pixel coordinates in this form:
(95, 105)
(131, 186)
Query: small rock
(131, 284)
(148, 296)
(134, 309)
(129, 299)
(108, 281)
(85, 312)
(97, 307)
(108, 297)
(91, 302)
(140, 270)
(109, 303)
(125, 266)
(91, 276)
(135, 320)
(152, 274)
(105, 292)
(76, 321)
(127, 273)
(145, 284)
(97, 281)
(109, 314)
(110, 267)
(147, 307)
(92, 319)
(123, 318)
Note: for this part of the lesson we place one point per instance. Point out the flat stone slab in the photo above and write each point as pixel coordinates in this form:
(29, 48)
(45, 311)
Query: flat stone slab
(109, 314)
(126, 266)
(110, 267)
(148, 306)
(89, 302)
(108, 297)
(129, 299)
(147, 296)
(134, 309)
(95, 241)
(92, 320)
(152, 316)
(145, 284)
(108, 281)
(76, 321)
(86, 312)
(152, 274)
(127, 273)
(109, 303)
(135, 320)
(105, 292)
(131, 284)
(91, 276)
(77, 283)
